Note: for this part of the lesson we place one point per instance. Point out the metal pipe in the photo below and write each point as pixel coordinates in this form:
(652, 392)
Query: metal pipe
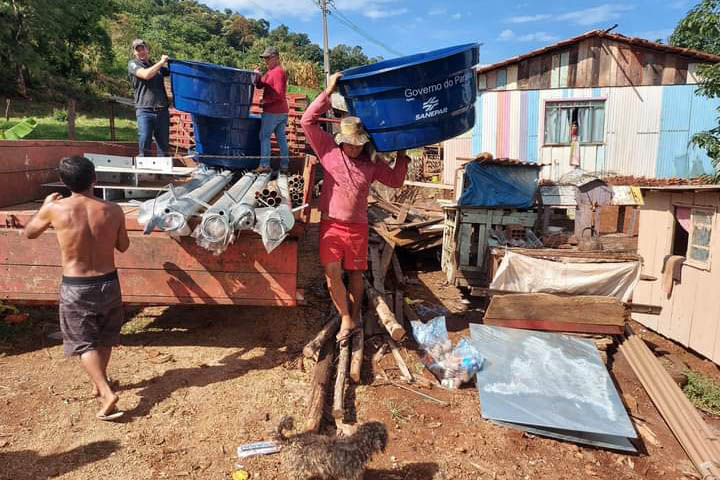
(274, 224)
(177, 213)
(150, 211)
(217, 224)
(244, 211)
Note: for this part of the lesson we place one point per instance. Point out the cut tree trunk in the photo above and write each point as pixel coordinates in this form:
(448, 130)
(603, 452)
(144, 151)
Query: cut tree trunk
(318, 394)
(356, 357)
(396, 331)
(338, 410)
(404, 371)
(312, 349)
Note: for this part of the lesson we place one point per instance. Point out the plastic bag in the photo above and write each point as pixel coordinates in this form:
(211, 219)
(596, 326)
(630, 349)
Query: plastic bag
(452, 366)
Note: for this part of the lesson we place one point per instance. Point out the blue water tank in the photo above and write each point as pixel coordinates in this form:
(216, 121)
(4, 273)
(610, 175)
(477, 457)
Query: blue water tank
(212, 90)
(234, 137)
(416, 100)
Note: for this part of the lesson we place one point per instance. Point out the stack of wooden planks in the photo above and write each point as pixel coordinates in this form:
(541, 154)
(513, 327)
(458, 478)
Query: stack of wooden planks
(404, 226)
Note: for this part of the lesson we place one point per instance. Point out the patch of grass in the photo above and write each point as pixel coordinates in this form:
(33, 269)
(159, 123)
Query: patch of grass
(86, 128)
(398, 412)
(703, 392)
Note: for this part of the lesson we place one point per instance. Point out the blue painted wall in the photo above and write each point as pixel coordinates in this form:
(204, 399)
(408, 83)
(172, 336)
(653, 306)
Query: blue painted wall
(684, 114)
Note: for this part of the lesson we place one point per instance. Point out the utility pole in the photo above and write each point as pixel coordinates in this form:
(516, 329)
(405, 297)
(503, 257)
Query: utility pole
(326, 52)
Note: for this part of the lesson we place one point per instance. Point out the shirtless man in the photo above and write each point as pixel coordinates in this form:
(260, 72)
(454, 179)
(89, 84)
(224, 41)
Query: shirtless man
(91, 310)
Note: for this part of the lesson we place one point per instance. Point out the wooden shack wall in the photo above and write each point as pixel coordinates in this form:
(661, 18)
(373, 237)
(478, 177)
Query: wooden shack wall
(594, 62)
(691, 315)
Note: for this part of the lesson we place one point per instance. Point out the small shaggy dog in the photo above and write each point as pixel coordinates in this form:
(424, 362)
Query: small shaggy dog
(309, 455)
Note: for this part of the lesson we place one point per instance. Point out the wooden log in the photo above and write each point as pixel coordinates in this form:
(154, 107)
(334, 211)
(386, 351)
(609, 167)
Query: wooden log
(404, 371)
(356, 354)
(338, 410)
(312, 349)
(582, 309)
(321, 376)
(372, 326)
(385, 315)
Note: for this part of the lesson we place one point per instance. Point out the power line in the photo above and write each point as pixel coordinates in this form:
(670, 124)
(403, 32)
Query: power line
(348, 23)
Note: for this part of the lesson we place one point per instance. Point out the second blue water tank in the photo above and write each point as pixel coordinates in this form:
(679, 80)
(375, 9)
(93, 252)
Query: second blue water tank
(415, 100)
(212, 90)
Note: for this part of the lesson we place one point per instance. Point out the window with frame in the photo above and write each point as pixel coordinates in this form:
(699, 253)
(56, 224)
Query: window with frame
(698, 252)
(588, 115)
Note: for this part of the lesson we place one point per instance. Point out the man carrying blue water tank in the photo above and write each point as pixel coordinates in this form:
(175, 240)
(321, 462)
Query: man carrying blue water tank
(350, 168)
(151, 101)
(275, 109)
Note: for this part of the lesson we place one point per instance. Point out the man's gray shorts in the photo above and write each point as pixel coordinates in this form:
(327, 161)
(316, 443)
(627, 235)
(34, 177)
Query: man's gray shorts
(91, 312)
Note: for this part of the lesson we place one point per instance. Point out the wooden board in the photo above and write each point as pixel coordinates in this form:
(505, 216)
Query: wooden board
(552, 326)
(24, 282)
(581, 309)
(159, 252)
(523, 74)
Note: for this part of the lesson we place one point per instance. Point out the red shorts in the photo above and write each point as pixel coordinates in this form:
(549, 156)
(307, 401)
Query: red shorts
(344, 242)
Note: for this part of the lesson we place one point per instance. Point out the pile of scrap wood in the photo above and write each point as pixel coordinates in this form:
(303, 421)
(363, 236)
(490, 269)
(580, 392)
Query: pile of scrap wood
(405, 226)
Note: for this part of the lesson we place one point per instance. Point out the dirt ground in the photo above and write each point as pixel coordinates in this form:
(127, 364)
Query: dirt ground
(198, 382)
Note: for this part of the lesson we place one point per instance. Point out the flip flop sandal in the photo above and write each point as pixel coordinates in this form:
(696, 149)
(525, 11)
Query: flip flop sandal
(111, 416)
(347, 336)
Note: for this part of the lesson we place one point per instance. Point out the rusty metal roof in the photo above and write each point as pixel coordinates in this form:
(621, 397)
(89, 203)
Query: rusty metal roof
(638, 42)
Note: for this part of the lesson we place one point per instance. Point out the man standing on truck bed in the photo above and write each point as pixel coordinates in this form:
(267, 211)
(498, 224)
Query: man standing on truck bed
(151, 101)
(91, 310)
(275, 110)
(349, 172)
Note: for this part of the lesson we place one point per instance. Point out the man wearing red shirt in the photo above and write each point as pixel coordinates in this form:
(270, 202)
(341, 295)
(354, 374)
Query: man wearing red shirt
(349, 172)
(275, 109)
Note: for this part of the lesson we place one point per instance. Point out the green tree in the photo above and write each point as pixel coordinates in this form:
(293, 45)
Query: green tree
(700, 30)
(60, 44)
(344, 56)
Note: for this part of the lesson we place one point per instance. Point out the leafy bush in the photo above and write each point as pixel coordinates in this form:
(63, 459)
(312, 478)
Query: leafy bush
(60, 115)
(703, 392)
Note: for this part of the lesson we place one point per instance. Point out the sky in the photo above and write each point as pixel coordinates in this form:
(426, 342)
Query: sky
(390, 28)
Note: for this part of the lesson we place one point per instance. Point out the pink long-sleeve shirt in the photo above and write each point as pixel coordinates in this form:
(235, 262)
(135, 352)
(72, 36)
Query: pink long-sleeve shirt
(347, 181)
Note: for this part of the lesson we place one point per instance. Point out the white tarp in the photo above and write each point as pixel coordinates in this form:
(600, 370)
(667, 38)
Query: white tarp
(520, 273)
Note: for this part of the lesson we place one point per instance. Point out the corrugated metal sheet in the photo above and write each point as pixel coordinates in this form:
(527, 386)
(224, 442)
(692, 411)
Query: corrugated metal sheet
(631, 130)
(672, 156)
(533, 142)
(490, 125)
(647, 130)
(514, 125)
(477, 129)
(453, 149)
(523, 133)
(703, 116)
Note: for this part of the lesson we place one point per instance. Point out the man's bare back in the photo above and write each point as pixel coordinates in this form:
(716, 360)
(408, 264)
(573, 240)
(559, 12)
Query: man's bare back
(88, 229)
